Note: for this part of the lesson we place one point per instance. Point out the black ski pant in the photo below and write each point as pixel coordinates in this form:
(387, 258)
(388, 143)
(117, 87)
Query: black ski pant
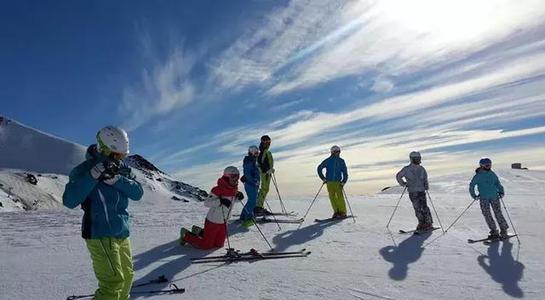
(496, 207)
(421, 209)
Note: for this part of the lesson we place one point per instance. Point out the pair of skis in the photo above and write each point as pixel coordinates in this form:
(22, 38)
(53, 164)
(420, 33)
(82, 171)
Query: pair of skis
(488, 241)
(261, 220)
(173, 289)
(252, 255)
(271, 218)
(417, 232)
(333, 219)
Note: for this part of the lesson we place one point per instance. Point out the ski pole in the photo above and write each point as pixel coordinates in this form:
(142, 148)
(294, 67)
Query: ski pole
(437, 215)
(347, 202)
(226, 228)
(510, 221)
(257, 226)
(312, 203)
(397, 205)
(446, 230)
(278, 192)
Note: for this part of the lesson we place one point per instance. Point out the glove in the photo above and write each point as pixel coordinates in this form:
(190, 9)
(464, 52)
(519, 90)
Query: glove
(343, 183)
(225, 202)
(97, 171)
(477, 197)
(501, 195)
(240, 196)
(112, 180)
(324, 181)
(270, 171)
(243, 179)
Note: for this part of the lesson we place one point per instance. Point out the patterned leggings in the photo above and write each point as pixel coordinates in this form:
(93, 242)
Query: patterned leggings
(421, 209)
(496, 207)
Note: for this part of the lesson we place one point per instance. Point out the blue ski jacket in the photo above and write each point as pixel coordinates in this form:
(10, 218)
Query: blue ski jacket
(488, 185)
(104, 206)
(251, 171)
(335, 169)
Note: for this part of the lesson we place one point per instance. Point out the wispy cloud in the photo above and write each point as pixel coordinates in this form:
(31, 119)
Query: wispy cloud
(163, 87)
(397, 38)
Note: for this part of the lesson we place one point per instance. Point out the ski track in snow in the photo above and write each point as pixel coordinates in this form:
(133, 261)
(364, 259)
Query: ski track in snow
(42, 255)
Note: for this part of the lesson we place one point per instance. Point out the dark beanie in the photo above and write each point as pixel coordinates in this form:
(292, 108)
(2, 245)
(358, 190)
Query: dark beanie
(265, 138)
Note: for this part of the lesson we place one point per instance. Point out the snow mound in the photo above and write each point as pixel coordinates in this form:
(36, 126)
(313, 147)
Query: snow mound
(25, 148)
(46, 193)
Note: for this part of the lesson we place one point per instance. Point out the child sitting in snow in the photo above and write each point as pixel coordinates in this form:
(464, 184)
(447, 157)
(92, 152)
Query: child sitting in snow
(220, 203)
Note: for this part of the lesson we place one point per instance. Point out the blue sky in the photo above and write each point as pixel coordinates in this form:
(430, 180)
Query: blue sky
(197, 82)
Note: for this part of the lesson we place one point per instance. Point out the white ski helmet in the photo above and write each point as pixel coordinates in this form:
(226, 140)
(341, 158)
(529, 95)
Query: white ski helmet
(113, 139)
(335, 149)
(231, 171)
(253, 150)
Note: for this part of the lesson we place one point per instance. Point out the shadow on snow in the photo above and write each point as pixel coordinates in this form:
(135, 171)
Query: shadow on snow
(503, 268)
(175, 259)
(407, 252)
(300, 236)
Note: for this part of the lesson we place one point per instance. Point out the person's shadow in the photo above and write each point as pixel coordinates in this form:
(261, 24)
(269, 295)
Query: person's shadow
(407, 252)
(503, 268)
(169, 269)
(300, 236)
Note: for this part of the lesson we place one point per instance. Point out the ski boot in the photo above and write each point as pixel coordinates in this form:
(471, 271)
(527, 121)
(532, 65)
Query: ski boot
(341, 215)
(247, 223)
(494, 235)
(260, 211)
(426, 227)
(335, 215)
(504, 234)
(183, 232)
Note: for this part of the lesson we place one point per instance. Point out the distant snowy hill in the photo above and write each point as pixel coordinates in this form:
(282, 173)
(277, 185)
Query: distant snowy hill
(25, 148)
(34, 168)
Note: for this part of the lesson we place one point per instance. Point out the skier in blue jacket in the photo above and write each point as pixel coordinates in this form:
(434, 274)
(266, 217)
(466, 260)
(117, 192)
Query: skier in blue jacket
(251, 185)
(102, 185)
(490, 192)
(335, 179)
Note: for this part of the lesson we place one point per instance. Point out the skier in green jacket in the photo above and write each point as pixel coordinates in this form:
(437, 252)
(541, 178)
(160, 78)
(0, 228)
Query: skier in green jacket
(266, 169)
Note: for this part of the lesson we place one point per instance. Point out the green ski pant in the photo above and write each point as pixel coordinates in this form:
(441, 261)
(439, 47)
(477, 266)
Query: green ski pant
(112, 263)
(335, 190)
(265, 184)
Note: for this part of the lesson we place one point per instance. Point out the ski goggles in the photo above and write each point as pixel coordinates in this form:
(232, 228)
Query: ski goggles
(117, 155)
(233, 176)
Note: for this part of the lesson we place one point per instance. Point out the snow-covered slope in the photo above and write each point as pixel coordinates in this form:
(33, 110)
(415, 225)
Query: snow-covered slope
(27, 154)
(25, 148)
(42, 255)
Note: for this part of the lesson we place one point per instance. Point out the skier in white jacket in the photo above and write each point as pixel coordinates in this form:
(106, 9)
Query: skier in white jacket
(220, 203)
(415, 178)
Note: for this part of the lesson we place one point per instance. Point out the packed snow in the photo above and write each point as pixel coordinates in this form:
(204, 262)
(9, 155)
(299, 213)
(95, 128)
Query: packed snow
(43, 256)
